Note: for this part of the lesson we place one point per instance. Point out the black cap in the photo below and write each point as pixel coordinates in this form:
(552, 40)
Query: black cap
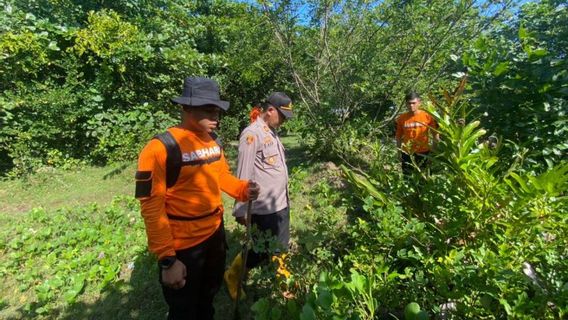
(282, 102)
(199, 92)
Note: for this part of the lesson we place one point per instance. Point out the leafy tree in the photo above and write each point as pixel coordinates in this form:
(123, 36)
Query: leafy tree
(352, 61)
(91, 80)
(520, 80)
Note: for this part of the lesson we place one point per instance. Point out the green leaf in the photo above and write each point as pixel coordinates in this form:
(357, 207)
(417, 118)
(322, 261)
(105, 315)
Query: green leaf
(358, 281)
(325, 299)
(53, 46)
(41, 310)
(538, 53)
(364, 185)
(292, 308)
(275, 313)
(501, 68)
(261, 306)
(520, 181)
(308, 313)
(523, 33)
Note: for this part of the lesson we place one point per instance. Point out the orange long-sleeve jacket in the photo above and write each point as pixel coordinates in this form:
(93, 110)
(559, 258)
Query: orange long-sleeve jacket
(204, 173)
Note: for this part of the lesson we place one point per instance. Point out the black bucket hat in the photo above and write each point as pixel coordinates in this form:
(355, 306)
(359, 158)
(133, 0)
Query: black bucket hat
(282, 102)
(199, 92)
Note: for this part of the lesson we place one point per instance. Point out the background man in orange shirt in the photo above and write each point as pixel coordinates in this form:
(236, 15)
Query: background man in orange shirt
(412, 134)
(184, 214)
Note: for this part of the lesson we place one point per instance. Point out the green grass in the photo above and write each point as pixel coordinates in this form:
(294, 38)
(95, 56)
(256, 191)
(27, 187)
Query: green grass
(53, 188)
(73, 246)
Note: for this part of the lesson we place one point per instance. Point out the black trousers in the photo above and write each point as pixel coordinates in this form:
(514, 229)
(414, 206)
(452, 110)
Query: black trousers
(277, 225)
(420, 159)
(205, 264)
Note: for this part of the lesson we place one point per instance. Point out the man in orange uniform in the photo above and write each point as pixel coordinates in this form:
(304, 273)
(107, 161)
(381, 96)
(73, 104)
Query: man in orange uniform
(184, 221)
(412, 134)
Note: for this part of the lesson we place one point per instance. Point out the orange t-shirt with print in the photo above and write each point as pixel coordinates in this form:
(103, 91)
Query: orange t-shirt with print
(204, 174)
(412, 130)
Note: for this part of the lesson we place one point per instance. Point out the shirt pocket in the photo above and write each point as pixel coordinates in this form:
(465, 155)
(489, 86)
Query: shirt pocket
(271, 157)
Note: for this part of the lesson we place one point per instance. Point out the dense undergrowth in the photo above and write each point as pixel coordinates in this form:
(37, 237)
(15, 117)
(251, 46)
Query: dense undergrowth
(477, 236)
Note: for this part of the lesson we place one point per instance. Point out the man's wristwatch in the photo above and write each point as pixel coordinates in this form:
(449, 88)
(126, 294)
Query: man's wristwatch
(167, 262)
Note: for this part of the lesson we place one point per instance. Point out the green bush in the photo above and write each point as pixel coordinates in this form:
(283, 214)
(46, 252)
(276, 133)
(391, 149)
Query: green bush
(478, 233)
(119, 136)
(76, 79)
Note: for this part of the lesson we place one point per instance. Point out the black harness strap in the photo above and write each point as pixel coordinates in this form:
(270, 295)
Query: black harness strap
(173, 159)
(217, 139)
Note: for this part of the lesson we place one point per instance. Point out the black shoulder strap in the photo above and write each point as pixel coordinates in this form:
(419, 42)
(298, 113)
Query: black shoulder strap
(173, 159)
(217, 139)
